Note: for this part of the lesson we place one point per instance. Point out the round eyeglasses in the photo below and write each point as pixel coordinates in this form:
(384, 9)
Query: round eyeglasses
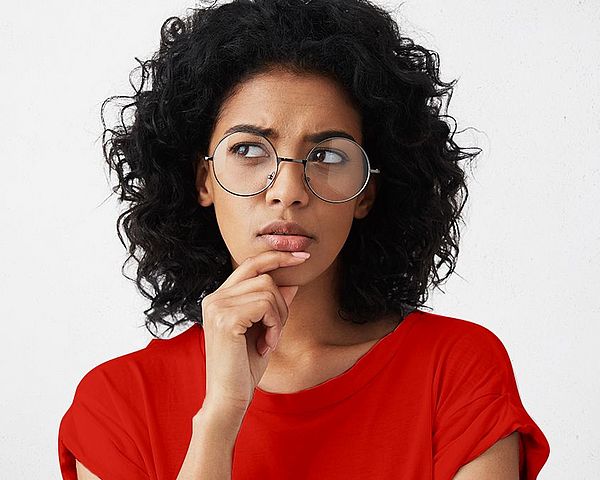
(336, 169)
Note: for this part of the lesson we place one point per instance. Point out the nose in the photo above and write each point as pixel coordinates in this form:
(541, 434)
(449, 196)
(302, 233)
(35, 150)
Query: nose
(288, 187)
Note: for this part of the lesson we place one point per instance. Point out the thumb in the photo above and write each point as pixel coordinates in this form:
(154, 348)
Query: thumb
(288, 293)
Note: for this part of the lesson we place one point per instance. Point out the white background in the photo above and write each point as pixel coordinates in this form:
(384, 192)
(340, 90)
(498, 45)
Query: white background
(528, 80)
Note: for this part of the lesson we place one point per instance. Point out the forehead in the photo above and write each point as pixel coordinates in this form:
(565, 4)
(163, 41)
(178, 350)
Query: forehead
(292, 105)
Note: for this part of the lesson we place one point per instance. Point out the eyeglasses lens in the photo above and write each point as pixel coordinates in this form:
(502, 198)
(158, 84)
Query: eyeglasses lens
(245, 164)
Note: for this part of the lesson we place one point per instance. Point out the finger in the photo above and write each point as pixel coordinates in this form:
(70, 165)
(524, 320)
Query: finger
(262, 263)
(257, 308)
(262, 283)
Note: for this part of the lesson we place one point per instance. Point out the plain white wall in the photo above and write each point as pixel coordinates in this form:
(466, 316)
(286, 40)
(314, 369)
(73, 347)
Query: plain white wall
(528, 80)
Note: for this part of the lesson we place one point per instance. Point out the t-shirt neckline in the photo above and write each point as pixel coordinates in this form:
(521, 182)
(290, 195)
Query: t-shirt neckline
(343, 385)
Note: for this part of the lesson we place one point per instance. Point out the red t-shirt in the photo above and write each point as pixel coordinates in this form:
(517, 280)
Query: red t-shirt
(426, 399)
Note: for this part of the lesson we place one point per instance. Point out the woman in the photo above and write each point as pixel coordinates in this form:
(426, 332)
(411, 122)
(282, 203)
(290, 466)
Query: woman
(291, 179)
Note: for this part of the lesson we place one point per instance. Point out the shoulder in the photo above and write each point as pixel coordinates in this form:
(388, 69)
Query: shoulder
(446, 335)
(466, 360)
(128, 372)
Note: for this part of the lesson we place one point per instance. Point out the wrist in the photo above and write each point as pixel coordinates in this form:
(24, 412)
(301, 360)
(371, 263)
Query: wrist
(225, 417)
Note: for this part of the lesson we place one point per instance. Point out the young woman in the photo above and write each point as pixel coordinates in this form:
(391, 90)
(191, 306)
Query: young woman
(294, 190)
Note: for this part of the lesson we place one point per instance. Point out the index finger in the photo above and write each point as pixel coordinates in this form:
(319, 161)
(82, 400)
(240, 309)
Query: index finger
(261, 263)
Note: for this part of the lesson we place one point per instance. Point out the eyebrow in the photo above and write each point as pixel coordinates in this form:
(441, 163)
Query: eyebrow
(271, 133)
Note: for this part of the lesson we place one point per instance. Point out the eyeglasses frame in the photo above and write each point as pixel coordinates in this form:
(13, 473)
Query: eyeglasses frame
(303, 161)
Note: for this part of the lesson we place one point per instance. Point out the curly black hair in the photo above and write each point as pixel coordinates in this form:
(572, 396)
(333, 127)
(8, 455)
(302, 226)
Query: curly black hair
(392, 255)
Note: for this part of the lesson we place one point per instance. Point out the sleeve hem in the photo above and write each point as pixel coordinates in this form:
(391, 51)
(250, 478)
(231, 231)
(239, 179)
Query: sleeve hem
(70, 450)
(500, 418)
(70, 454)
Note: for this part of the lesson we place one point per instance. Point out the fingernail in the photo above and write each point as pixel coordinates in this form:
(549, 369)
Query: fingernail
(301, 254)
(266, 351)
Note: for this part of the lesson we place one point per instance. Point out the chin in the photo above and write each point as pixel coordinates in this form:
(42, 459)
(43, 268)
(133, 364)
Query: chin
(290, 276)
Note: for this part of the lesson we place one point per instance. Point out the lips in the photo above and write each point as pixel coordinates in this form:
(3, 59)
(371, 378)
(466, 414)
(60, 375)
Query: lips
(285, 228)
(287, 243)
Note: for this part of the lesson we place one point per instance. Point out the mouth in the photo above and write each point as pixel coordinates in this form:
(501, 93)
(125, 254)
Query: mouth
(287, 242)
(285, 228)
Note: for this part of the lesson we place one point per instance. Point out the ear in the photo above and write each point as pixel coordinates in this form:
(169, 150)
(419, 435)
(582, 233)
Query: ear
(366, 199)
(204, 182)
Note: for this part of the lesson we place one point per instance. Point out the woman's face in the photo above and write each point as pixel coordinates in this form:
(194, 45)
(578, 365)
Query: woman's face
(294, 107)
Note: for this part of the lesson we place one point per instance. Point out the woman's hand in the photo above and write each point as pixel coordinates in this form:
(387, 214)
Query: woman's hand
(241, 320)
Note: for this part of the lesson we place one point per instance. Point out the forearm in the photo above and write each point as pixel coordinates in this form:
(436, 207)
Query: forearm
(210, 453)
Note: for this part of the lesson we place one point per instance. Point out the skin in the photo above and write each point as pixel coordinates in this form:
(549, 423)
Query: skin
(316, 344)
(499, 462)
(294, 106)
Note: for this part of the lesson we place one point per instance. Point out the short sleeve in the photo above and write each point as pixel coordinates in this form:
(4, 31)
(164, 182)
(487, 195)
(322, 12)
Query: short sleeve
(478, 403)
(93, 431)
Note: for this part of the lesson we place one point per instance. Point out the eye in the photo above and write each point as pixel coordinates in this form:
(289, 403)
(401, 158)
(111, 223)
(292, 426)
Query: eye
(328, 156)
(248, 150)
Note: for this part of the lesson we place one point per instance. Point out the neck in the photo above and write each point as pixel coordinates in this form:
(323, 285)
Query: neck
(314, 325)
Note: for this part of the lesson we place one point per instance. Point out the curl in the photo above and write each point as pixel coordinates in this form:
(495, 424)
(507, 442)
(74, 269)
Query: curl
(410, 239)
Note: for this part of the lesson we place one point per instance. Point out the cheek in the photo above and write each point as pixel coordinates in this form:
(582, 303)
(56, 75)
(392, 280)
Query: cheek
(338, 228)
(334, 225)
(235, 225)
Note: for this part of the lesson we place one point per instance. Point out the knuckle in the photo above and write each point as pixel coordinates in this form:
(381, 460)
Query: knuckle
(206, 309)
(221, 322)
(209, 299)
(266, 299)
(265, 279)
(212, 310)
(270, 305)
(269, 295)
(264, 276)
(208, 303)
